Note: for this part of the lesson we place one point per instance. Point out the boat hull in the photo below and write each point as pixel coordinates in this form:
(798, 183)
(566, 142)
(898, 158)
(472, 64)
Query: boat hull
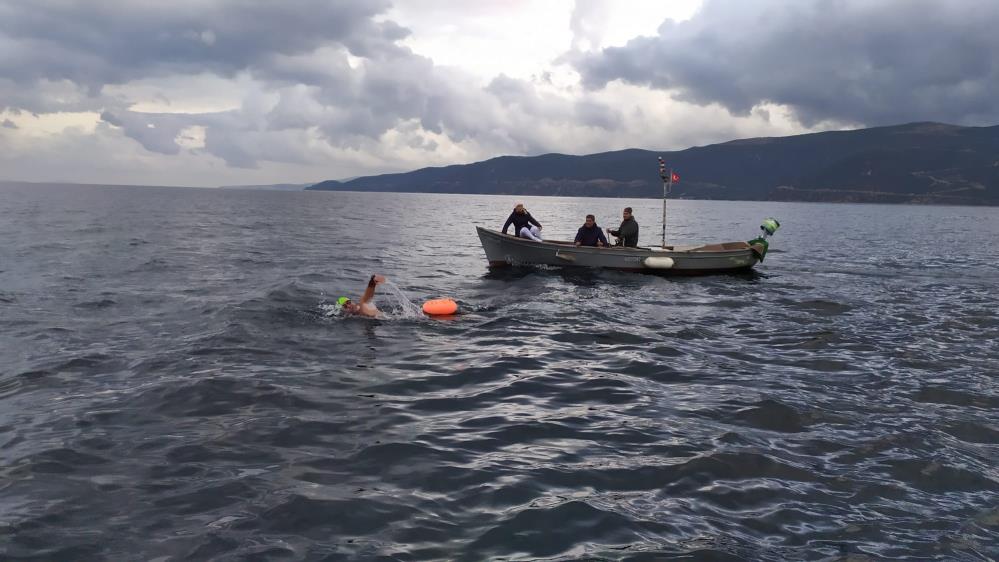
(503, 250)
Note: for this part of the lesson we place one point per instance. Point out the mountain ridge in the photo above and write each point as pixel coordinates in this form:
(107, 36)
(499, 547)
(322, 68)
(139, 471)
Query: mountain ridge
(923, 162)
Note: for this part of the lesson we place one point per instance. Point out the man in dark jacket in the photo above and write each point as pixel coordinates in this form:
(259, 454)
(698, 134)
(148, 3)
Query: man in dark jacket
(627, 234)
(590, 234)
(522, 222)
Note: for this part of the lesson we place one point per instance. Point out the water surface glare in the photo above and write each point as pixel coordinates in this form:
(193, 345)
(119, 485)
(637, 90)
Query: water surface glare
(175, 383)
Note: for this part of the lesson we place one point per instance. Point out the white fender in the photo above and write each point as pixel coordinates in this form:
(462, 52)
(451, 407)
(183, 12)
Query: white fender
(657, 262)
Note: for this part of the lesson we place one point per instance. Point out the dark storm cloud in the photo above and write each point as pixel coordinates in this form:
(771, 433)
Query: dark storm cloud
(45, 96)
(230, 146)
(229, 135)
(861, 61)
(507, 117)
(97, 43)
(523, 95)
(156, 132)
(332, 69)
(60, 55)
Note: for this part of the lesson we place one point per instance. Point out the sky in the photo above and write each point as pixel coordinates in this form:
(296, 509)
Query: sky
(235, 92)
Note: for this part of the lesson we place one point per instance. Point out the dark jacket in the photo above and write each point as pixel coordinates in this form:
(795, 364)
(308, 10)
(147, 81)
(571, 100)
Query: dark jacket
(588, 236)
(628, 233)
(519, 221)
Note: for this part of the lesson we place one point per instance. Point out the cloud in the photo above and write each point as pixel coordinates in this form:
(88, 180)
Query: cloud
(312, 77)
(853, 61)
(302, 91)
(587, 23)
(236, 137)
(92, 44)
(8, 124)
(156, 132)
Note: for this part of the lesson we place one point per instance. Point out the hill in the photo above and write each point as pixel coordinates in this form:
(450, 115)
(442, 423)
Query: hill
(913, 163)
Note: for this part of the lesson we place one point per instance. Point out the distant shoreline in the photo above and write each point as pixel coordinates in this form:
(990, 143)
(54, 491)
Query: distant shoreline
(508, 195)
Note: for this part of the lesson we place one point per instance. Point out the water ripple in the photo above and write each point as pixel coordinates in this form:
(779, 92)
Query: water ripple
(171, 369)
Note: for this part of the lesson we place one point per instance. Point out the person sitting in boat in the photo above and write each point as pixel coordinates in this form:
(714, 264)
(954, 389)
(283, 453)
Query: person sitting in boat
(627, 233)
(366, 307)
(590, 234)
(524, 225)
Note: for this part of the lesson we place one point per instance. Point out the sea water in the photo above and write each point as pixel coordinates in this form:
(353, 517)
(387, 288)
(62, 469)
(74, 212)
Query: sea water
(165, 373)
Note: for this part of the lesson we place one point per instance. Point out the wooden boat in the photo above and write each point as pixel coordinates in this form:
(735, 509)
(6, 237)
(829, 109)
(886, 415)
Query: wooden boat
(505, 250)
(728, 257)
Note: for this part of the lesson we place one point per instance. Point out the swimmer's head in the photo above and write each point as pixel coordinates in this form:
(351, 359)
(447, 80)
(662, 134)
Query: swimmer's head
(347, 306)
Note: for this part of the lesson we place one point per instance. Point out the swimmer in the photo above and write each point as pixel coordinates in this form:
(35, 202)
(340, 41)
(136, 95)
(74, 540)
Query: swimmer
(366, 307)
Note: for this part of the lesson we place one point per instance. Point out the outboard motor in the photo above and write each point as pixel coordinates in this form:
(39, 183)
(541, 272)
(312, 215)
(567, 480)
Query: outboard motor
(760, 244)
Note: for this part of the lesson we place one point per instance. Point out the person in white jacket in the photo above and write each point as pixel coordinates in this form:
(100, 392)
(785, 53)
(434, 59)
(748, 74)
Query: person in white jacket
(524, 225)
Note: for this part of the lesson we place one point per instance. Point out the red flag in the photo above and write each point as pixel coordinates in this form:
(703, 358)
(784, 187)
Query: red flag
(675, 178)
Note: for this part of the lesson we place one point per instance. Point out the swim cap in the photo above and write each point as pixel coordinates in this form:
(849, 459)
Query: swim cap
(342, 301)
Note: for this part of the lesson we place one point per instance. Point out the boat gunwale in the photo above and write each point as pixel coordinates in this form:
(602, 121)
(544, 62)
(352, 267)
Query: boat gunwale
(692, 252)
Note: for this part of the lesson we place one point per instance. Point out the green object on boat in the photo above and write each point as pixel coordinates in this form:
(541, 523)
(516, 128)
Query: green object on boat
(770, 225)
(759, 246)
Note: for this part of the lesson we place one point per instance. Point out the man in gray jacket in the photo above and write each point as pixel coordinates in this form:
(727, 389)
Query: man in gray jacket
(627, 233)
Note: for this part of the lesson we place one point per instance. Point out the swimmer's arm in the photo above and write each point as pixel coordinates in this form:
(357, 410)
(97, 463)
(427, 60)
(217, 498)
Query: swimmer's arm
(369, 292)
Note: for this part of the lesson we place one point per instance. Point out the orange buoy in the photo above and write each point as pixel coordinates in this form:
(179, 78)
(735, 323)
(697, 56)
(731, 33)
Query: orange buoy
(440, 307)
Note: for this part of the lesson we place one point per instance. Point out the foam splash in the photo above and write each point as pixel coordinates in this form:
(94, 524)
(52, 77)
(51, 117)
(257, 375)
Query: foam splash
(406, 308)
(329, 309)
(400, 307)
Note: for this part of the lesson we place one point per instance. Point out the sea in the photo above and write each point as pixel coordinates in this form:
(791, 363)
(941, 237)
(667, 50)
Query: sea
(177, 383)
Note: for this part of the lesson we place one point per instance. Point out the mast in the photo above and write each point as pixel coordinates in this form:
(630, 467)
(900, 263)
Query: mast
(667, 186)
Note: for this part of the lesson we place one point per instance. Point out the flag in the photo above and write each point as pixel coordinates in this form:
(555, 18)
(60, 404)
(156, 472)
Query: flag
(675, 178)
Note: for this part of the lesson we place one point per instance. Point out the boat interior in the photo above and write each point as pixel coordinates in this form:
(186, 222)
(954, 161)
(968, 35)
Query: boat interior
(722, 247)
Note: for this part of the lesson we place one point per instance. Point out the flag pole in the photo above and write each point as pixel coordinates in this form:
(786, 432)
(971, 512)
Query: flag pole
(667, 188)
(667, 184)
(665, 191)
